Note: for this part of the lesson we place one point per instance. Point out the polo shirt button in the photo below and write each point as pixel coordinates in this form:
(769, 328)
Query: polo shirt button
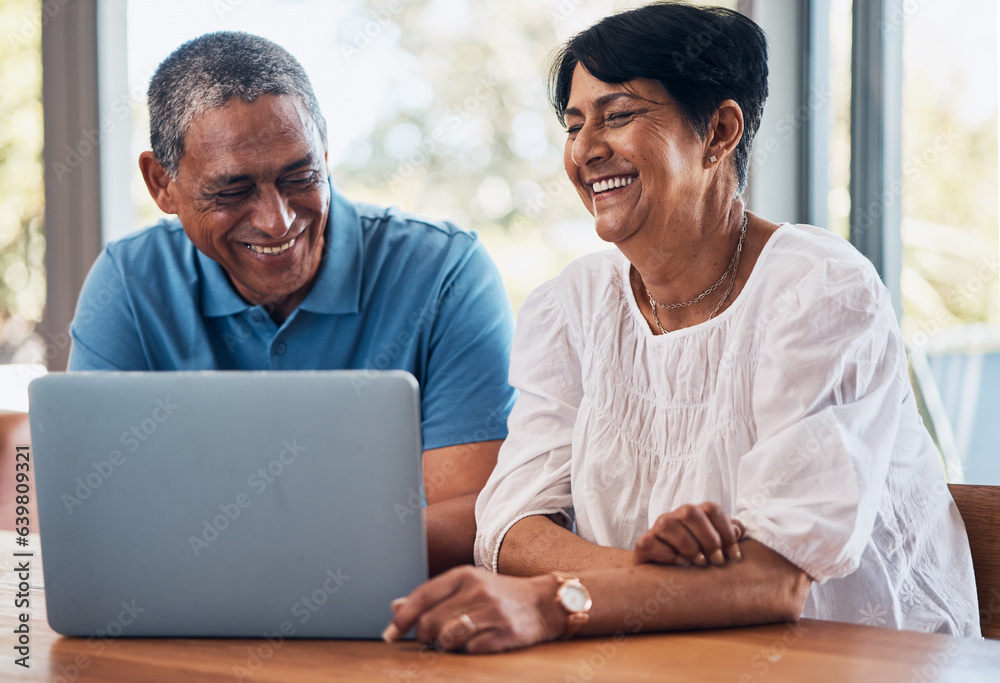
(256, 317)
(280, 348)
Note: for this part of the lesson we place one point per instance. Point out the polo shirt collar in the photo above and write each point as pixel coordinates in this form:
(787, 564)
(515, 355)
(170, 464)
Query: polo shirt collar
(218, 296)
(337, 288)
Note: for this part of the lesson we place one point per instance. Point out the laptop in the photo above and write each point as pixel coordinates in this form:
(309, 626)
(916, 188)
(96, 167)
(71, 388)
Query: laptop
(228, 504)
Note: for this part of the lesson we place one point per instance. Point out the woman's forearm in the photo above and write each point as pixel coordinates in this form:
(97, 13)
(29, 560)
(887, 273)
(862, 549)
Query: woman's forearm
(764, 587)
(537, 545)
(476, 610)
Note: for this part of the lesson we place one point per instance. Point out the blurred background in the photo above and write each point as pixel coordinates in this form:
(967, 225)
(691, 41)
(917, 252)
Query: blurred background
(438, 107)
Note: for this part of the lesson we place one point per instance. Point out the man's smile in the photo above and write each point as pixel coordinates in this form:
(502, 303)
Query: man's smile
(280, 249)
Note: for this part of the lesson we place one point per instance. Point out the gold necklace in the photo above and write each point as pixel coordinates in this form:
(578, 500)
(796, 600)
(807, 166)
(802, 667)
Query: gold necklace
(734, 264)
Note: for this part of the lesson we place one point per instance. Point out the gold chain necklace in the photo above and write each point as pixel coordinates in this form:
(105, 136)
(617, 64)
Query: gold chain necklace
(734, 264)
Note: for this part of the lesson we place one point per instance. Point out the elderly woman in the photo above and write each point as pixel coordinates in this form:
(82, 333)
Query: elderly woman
(720, 406)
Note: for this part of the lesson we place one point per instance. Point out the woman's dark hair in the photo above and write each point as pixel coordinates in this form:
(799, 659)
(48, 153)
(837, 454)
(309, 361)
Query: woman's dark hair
(700, 55)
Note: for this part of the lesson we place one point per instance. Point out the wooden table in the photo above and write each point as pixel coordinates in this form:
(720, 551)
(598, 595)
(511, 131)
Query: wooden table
(807, 651)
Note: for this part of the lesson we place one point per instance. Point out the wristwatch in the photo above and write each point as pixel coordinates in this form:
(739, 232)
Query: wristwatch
(573, 597)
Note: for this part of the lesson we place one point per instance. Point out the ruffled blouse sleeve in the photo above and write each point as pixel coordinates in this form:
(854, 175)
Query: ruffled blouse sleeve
(532, 476)
(826, 399)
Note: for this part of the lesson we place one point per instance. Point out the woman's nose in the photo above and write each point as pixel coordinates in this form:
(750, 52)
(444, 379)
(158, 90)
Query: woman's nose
(589, 146)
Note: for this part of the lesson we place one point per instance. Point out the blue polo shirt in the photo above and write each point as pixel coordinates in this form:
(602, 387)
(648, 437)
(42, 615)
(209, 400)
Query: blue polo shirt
(393, 291)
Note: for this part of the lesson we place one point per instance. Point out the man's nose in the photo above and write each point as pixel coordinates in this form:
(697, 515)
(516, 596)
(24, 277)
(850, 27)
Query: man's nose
(272, 213)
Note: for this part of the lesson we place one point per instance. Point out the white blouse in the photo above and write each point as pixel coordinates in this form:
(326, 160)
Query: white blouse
(792, 409)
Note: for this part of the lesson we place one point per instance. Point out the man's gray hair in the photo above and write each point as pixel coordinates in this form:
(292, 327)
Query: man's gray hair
(210, 70)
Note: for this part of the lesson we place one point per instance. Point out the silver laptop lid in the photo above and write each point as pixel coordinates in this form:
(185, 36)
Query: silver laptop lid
(231, 504)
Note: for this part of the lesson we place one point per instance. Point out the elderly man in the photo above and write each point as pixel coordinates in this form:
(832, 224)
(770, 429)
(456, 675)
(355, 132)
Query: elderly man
(267, 267)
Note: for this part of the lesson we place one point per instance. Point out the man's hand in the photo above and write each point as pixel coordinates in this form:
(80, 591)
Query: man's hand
(691, 534)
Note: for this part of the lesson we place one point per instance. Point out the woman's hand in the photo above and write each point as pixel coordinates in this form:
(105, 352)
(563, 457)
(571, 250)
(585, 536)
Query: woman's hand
(477, 611)
(691, 534)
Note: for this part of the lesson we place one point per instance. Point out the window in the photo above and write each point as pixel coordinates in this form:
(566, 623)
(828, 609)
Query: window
(950, 200)
(22, 245)
(950, 237)
(437, 107)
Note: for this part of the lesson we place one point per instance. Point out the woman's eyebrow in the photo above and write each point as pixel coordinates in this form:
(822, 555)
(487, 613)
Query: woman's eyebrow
(602, 101)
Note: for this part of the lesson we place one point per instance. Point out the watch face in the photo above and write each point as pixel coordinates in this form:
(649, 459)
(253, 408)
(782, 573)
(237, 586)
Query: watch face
(574, 597)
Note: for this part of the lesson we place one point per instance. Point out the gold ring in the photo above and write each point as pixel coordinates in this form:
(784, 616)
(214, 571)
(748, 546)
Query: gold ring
(466, 621)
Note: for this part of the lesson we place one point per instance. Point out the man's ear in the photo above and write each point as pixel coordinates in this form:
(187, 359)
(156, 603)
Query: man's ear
(158, 182)
(726, 129)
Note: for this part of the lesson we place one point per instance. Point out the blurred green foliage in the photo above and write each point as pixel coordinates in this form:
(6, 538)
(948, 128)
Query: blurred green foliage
(951, 189)
(950, 217)
(22, 244)
(469, 136)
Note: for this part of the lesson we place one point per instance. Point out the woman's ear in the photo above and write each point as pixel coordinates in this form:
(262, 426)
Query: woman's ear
(725, 130)
(158, 182)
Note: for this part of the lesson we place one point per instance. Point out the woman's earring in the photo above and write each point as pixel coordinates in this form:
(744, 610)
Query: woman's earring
(713, 158)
